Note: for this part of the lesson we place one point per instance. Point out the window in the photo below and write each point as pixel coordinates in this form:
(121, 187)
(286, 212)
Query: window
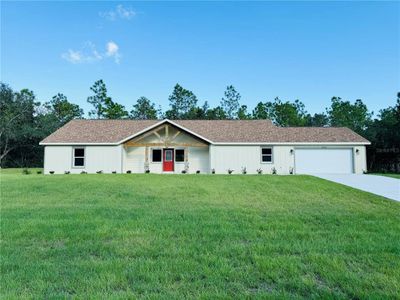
(79, 157)
(266, 155)
(179, 155)
(168, 155)
(156, 155)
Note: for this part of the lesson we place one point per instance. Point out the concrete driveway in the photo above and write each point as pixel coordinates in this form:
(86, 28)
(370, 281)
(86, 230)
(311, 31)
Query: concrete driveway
(379, 185)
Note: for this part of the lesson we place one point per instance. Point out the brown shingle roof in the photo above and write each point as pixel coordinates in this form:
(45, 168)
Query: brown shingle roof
(217, 131)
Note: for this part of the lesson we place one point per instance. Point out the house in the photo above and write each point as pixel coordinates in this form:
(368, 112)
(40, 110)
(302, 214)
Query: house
(201, 146)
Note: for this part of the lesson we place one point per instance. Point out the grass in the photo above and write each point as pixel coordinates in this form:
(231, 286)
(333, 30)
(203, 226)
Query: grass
(393, 175)
(195, 236)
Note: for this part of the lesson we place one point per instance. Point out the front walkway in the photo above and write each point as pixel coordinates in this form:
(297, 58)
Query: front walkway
(379, 185)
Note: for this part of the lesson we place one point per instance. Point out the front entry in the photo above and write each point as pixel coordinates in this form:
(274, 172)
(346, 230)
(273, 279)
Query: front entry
(168, 160)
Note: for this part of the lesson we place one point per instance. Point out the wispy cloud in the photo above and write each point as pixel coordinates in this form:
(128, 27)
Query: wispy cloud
(113, 51)
(89, 54)
(120, 12)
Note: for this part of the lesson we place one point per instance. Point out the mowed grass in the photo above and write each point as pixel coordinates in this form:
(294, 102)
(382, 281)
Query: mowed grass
(195, 236)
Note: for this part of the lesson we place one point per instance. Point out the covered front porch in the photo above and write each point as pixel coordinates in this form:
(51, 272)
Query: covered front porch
(166, 149)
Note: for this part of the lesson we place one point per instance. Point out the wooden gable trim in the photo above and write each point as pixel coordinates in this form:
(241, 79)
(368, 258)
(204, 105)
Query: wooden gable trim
(167, 141)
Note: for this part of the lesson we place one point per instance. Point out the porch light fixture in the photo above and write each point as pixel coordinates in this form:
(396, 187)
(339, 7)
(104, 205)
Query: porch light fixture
(357, 151)
(291, 151)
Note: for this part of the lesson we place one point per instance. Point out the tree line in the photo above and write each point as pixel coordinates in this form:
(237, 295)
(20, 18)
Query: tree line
(24, 120)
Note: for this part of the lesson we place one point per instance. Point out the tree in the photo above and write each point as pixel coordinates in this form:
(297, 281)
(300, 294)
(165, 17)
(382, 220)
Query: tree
(384, 134)
(16, 119)
(104, 106)
(261, 111)
(230, 102)
(282, 113)
(63, 110)
(197, 112)
(114, 110)
(144, 109)
(181, 102)
(344, 114)
(317, 120)
(243, 114)
(216, 113)
(289, 114)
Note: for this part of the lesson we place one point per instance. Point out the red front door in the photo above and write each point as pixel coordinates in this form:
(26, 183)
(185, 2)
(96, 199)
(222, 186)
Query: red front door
(168, 161)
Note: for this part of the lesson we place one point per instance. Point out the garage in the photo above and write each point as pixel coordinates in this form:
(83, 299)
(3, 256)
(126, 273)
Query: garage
(324, 160)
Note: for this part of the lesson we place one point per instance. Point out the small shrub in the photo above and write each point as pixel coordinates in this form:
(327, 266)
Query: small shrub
(147, 171)
(183, 172)
(51, 172)
(198, 172)
(213, 171)
(26, 171)
(259, 171)
(244, 170)
(38, 172)
(128, 172)
(230, 171)
(67, 172)
(114, 172)
(83, 172)
(274, 171)
(99, 172)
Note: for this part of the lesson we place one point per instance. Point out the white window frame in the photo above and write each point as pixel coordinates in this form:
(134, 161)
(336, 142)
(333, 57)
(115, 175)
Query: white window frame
(162, 156)
(180, 162)
(73, 157)
(272, 155)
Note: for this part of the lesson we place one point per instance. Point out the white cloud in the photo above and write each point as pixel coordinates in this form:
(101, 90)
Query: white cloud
(120, 12)
(113, 51)
(89, 54)
(72, 56)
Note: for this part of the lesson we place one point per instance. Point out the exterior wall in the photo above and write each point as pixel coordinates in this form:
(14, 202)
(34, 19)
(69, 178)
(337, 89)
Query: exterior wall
(238, 157)
(134, 159)
(224, 157)
(360, 159)
(218, 157)
(198, 157)
(199, 160)
(97, 158)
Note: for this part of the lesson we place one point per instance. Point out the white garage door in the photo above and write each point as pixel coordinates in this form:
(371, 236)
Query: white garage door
(314, 160)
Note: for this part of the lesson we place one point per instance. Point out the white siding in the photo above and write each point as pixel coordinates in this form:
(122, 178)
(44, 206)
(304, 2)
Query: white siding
(57, 159)
(238, 157)
(97, 158)
(224, 157)
(219, 157)
(360, 159)
(133, 160)
(199, 159)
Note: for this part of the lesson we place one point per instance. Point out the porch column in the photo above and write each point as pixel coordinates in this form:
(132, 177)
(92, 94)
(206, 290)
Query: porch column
(186, 159)
(146, 154)
(146, 158)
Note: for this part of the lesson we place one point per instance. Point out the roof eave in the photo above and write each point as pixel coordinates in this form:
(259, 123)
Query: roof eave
(218, 143)
(293, 143)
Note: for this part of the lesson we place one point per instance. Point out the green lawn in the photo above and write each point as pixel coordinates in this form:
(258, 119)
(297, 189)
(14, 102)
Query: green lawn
(393, 175)
(195, 236)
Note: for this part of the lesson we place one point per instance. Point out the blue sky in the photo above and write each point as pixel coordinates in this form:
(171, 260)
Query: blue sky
(295, 50)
